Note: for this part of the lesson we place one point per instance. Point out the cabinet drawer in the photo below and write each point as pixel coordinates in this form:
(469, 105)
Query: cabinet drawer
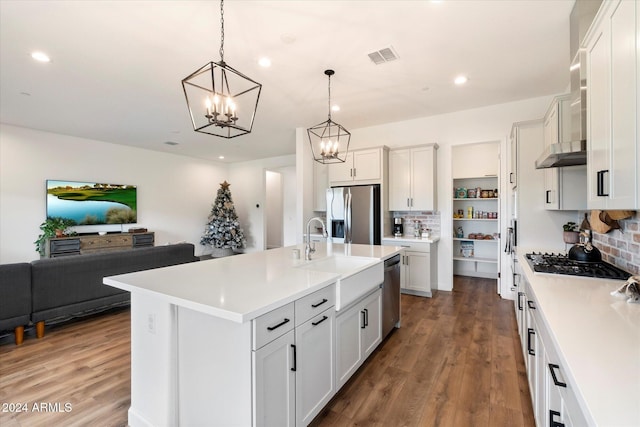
(411, 246)
(87, 243)
(272, 325)
(315, 303)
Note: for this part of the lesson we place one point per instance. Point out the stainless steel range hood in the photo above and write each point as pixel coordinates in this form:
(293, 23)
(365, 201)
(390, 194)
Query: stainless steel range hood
(574, 152)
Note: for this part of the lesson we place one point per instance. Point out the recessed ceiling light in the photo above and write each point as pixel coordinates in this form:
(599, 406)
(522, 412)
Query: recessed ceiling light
(335, 108)
(221, 157)
(41, 57)
(264, 62)
(460, 80)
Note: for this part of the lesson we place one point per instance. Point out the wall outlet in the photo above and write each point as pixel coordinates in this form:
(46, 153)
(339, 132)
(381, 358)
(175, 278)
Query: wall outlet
(151, 323)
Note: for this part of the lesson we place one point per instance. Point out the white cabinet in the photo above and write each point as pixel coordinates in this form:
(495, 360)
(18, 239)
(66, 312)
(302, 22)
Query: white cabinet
(358, 332)
(553, 399)
(418, 266)
(565, 187)
(476, 222)
(613, 150)
(320, 185)
(293, 360)
(314, 369)
(274, 383)
(412, 178)
(361, 166)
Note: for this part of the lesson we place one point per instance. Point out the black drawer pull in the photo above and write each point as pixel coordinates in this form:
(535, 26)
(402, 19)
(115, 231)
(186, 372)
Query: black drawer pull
(320, 303)
(531, 305)
(530, 350)
(319, 321)
(295, 356)
(271, 328)
(364, 325)
(366, 317)
(552, 422)
(520, 294)
(552, 368)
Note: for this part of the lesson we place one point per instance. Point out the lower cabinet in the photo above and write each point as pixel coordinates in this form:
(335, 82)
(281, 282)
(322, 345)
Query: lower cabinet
(358, 333)
(293, 374)
(553, 398)
(419, 267)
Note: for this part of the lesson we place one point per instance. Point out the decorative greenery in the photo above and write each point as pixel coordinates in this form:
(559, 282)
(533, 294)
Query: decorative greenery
(570, 226)
(49, 228)
(223, 229)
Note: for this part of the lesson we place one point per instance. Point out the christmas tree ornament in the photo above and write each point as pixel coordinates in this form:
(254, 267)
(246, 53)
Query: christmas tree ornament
(223, 232)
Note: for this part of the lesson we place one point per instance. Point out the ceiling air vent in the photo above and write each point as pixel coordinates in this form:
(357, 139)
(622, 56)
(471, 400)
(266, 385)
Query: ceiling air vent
(383, 55)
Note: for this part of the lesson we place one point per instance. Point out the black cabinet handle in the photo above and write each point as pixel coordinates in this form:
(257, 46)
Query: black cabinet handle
(552, 368)
(366, 317)
(546, 196)
(363, 325)
(510, 177)
(552, 421)
(319, 321)
(531, 305)
(600, 183)
(320, 303)
(530, 350)
(520, 294)
(295, 357)
(271, 328)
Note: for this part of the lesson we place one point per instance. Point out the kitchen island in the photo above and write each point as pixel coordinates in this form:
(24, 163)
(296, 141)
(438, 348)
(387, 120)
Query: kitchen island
(582, 349)
(226, 341)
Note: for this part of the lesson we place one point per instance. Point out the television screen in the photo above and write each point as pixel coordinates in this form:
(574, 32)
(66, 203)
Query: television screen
(92, 203)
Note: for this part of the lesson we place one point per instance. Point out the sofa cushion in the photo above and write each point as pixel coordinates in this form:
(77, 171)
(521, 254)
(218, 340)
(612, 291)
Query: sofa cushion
(15, 295)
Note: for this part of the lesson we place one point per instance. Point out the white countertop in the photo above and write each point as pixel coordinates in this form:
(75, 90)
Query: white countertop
(243, 287)
(598, 339)
(411, 239)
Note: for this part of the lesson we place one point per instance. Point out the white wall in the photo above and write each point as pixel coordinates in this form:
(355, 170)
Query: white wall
(248, 186)
(174, 192)
(491, 123)
(274, 209)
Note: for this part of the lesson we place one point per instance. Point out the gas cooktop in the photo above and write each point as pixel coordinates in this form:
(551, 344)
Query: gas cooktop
(561, 264)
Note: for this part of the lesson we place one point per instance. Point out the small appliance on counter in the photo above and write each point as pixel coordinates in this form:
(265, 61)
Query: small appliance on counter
(398, 229)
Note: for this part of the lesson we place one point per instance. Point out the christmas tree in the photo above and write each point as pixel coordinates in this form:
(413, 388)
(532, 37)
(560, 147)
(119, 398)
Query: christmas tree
(223, 229)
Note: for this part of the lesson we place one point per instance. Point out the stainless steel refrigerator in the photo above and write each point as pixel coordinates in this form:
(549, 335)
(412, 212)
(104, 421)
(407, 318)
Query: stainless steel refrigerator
(353, 214)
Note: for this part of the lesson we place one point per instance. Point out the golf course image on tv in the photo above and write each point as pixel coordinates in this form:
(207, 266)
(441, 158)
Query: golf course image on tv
(92, 203)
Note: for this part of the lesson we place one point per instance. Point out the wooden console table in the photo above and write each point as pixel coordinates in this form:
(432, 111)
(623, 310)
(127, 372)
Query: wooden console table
(90, 244)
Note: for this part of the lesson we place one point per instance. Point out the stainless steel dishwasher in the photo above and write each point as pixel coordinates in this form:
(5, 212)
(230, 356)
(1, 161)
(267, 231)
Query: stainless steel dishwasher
(391, 295)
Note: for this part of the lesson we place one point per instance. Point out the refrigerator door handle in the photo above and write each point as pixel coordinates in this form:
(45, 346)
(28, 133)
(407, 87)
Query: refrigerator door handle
(347, 218)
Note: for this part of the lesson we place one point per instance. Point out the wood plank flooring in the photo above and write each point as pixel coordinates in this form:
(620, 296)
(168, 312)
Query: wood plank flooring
(456, 361)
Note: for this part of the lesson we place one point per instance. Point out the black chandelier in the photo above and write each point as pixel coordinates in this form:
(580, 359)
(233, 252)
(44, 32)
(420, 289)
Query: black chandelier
(224, 99)
(329, 140)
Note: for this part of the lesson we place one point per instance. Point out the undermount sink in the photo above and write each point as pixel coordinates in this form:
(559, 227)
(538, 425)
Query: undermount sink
(358, 275)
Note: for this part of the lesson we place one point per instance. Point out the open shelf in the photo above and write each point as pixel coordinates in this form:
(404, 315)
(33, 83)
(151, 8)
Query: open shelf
(477, 240)
(475, 259)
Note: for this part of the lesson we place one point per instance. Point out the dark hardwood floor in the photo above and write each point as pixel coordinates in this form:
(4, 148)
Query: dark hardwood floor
(456, 361)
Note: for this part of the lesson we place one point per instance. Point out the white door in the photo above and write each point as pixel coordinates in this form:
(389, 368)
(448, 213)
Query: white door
(315, 380)
(423, 179)
(399, 180)
(366, 165)
(348, 344)
(341, 172)
(372, 331)
(417, 271)
(274, 383)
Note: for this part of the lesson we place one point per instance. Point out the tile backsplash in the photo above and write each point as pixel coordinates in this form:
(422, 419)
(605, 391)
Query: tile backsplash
(622, 247)
(430, 220)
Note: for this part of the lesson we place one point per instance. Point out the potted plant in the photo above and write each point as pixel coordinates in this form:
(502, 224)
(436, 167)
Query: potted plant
(570, 232)
(53, 227)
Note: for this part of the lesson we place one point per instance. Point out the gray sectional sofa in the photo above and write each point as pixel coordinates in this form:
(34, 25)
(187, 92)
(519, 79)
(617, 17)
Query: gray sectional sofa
(53, 289)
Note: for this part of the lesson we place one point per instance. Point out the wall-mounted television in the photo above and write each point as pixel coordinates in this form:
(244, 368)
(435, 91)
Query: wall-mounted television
(92, 203)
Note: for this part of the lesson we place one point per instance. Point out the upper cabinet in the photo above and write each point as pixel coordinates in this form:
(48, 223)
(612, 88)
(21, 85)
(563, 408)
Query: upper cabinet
(565, 187)
(360, 167)
(412, 178)
(613, 152)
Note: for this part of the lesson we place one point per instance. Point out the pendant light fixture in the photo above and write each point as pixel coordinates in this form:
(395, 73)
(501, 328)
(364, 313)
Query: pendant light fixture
(329, 140)
(221, 100)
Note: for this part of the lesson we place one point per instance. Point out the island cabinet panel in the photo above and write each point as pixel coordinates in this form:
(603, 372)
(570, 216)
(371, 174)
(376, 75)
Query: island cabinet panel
(358, 333)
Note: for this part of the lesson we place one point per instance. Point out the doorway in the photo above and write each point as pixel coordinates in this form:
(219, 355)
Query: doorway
(274, 210)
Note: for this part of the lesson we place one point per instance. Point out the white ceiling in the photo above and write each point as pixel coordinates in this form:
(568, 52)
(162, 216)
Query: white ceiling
(117, 65)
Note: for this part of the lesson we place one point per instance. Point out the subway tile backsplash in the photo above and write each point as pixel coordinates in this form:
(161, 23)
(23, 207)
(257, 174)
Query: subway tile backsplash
(622, 247)
(428, 219)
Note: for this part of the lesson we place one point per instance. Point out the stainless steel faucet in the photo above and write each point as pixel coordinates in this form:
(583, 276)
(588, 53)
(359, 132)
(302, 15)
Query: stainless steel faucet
(310, 247)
